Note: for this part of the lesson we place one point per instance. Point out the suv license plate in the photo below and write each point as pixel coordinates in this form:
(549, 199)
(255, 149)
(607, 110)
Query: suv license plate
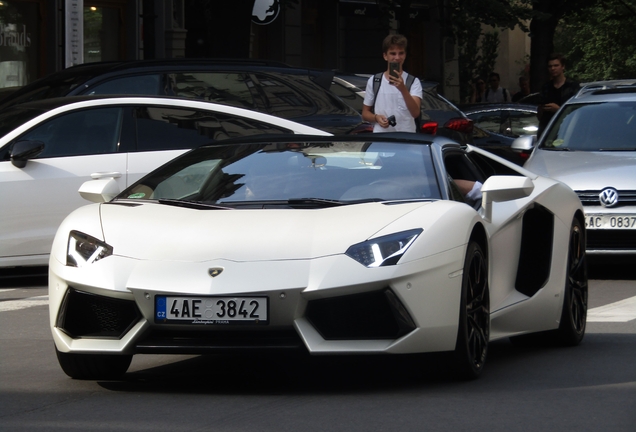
(211, 310)
(614, 222)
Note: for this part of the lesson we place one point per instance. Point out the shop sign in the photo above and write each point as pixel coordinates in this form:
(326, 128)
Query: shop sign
(10, 36)
(265, 11)
(74, 43)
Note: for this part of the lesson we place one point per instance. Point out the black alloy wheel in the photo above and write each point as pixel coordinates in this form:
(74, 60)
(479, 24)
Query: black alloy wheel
(574, 315)
(474, 317)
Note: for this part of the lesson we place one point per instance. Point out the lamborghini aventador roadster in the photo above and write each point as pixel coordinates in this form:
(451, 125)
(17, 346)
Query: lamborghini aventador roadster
(374, 244)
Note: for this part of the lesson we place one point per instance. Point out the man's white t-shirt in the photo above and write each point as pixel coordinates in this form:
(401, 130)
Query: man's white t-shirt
(390, 102)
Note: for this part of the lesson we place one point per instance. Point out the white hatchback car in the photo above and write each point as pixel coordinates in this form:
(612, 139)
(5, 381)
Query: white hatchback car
(49, 148)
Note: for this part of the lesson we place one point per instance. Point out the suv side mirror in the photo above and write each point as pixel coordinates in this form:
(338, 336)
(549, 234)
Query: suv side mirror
(524, 143)
(22, 151)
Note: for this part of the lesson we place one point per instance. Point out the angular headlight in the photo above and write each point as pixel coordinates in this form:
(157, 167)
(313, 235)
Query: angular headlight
(383, 251)
(84, 249)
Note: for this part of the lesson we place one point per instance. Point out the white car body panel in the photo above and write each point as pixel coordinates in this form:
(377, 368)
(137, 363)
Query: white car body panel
(312, 263)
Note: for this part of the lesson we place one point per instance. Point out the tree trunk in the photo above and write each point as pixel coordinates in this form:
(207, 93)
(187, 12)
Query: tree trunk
(542, 29)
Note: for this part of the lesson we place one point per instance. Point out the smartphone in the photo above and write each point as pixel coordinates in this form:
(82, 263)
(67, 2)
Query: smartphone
(394, 69)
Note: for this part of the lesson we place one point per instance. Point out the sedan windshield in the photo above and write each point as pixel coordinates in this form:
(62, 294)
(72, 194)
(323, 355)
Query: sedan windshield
(298, 174)
(608, 126)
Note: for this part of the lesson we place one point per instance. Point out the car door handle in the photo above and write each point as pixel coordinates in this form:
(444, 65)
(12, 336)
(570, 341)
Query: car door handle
(100, 175)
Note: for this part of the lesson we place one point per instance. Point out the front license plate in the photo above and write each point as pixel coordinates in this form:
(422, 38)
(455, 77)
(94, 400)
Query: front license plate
(615, 222)
(211, 310)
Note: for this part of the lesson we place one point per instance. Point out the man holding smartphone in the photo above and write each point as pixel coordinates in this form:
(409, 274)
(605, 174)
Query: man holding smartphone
(392, 99)
(556, 92)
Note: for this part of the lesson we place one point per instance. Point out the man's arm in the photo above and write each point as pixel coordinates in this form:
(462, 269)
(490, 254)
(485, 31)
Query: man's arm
(369, 116)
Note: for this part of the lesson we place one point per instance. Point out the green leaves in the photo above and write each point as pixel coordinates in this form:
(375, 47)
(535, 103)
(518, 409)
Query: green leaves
(598, 41)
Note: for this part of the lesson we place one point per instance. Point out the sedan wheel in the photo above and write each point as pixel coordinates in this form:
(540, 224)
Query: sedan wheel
(474, 317)
(93, 366)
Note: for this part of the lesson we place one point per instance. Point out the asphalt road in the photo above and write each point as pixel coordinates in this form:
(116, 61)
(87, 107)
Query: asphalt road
(591, 387)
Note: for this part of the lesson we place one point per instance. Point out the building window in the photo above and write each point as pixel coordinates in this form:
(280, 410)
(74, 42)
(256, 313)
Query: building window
(103, 31)
(20, 26)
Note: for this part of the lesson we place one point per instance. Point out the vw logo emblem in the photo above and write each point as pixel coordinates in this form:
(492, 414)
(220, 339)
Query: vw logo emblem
(608, 197)
(215, 271)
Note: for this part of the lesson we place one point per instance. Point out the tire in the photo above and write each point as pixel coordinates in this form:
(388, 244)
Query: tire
(93, 366)
(574, 313)
(473, 333)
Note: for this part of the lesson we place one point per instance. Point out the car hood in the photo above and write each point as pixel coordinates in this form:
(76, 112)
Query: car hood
(586, 170)
(148, 231)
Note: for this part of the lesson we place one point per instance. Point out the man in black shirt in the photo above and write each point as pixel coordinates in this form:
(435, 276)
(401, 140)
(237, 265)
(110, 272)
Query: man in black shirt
(555, 92)
(524, 89)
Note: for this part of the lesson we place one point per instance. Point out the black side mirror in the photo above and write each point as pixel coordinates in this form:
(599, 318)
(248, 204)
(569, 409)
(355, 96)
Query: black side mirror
(22, 151)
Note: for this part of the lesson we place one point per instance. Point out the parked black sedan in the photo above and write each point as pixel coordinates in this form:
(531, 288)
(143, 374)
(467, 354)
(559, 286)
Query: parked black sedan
(297, 94)
(498, 124)
(509, 119)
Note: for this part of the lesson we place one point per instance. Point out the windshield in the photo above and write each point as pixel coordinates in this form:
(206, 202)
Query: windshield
(324, 173)
(607, 126)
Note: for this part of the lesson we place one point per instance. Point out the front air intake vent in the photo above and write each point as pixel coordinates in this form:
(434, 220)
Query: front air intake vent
(84, 314)
(373, 315)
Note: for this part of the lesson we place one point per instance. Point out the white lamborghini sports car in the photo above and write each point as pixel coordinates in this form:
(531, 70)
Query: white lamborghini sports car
(362, 244)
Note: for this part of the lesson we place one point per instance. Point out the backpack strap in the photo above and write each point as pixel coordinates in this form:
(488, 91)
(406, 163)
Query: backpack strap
(377, 81)
(505, 94)
(409, 81)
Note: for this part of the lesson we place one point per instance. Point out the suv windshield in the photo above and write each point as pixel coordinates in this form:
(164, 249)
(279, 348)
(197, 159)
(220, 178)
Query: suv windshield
(277, 173)
(605, 126)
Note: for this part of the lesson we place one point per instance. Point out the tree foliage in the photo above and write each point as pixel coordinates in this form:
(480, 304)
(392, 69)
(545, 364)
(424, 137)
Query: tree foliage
(596, 36)
(599, 41)
(477, 49)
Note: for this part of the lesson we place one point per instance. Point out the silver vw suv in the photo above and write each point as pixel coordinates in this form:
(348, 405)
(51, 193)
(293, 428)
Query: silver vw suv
(590, 145)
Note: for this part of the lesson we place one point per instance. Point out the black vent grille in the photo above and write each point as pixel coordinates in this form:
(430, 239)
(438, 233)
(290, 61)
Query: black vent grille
(591, 198)
(373, 315)
(84, 314)
(616, 240)
(207, 340)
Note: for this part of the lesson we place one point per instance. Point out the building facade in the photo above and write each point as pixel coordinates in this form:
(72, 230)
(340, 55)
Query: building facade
(38, 37)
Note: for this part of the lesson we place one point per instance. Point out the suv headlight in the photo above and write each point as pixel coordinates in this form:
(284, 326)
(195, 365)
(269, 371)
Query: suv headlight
(383, 251)
(83, 249)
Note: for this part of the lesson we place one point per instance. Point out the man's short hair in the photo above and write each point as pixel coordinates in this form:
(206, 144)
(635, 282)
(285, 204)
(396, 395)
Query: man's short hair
(394, 39)
(494, 74)
(557, 56)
